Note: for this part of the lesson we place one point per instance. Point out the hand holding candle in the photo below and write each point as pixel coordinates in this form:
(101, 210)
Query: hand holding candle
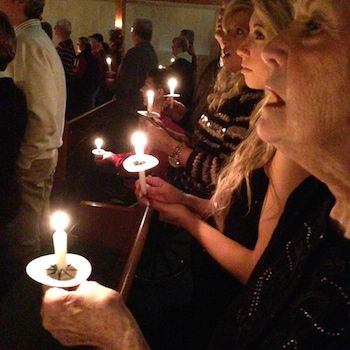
(59, 222)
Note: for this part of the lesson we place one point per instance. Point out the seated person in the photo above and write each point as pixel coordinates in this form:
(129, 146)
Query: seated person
(13, 121)
(222, 126)
(169, 119)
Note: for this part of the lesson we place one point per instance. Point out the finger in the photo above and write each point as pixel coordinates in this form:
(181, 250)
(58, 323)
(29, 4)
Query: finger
(155, 181)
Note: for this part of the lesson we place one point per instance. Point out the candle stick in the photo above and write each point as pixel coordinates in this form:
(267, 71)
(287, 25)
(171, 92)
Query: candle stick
(98, 152)
(138, 139)
(109, 63)
(172, 83)
(59, 222)
(150, 100)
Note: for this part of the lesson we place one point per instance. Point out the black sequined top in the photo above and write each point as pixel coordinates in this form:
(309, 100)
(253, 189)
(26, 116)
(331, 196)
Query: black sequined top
(298, 296)
(216, 136)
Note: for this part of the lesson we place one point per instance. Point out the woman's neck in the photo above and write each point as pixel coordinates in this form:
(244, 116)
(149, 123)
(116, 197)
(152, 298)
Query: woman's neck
(284, 175)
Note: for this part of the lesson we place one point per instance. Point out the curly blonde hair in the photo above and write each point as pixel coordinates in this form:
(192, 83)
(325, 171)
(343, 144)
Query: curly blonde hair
(252, 153)
(228, 84)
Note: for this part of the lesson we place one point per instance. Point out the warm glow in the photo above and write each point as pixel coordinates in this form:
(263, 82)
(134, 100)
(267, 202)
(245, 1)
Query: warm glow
(98, 143)
(118, 23)
(150, 100)
(139, 141)
(161, 67)
(172, 83)
(59, 220)
(172, 60)
(108, 60)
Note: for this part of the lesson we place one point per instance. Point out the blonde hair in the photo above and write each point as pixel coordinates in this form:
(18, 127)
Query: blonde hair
(252, 153)
(228, 84)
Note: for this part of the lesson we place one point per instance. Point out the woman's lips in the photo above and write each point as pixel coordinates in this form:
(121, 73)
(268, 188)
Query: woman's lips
(245, 69)
(273, 99)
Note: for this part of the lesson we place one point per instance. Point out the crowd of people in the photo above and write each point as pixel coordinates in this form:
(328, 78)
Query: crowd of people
(257, 189)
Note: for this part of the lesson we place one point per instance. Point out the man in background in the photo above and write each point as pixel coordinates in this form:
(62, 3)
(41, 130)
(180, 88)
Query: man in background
(137, 62)
(38, 72)
(65, 49)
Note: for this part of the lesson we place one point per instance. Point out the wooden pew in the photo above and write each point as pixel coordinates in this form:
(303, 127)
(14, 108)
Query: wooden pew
(77, 175)
(112, 238)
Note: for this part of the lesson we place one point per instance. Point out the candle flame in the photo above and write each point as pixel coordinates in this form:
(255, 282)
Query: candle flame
(138, 138)
(98, 143)
(109, 60)
(59, 220)
(172, 83)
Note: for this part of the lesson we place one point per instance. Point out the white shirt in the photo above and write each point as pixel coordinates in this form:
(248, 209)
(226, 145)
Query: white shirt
(38, 71)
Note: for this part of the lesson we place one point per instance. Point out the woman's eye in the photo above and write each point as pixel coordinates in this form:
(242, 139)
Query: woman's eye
(258, 35)
(312, 27)
(240, 32)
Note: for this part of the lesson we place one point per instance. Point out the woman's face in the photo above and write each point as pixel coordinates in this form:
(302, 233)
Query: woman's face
(253, 67)
(235, 32)
(309, 95)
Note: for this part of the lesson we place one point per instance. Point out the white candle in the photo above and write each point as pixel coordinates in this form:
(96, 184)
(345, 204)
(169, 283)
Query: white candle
(59, 222)
(109, 63)
(150, 100)
(98, 152)
(138, 139)
(172, 83)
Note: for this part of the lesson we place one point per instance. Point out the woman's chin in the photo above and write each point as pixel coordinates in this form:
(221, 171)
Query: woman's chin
(267, 132)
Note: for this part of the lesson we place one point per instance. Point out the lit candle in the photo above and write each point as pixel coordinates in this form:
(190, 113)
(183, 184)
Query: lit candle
(172, 83)
(172, 59)
(59, 222)
(138, 139)
(109, 63)
(98, 152)
(150, 100)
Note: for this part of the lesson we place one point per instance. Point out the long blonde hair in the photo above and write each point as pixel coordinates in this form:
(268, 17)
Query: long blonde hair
(228, 84)
(252, 153)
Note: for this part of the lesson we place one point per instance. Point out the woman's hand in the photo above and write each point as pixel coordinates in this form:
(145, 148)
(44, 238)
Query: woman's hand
(176, 214)
(92, 315)
(160, 191)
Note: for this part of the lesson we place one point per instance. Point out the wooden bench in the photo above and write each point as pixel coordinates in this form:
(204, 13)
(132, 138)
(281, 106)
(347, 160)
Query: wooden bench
(112, 238)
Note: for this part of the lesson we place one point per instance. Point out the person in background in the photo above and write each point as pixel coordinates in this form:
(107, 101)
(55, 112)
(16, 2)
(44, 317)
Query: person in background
(87, 72)
(189, 35)
(136, 64)
(167, 117)
(13, 121)
(47, 29)
(98, 51)
(206, 81)
(116, 39)
(37, 70)
(65, 49)
(183, 70)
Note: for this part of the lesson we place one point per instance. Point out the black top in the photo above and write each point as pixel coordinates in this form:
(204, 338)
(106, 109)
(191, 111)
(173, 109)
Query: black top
(184, 71)
(298, 296)
(13, 121)
(214, 288)
(216, 136)
(134, 68)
